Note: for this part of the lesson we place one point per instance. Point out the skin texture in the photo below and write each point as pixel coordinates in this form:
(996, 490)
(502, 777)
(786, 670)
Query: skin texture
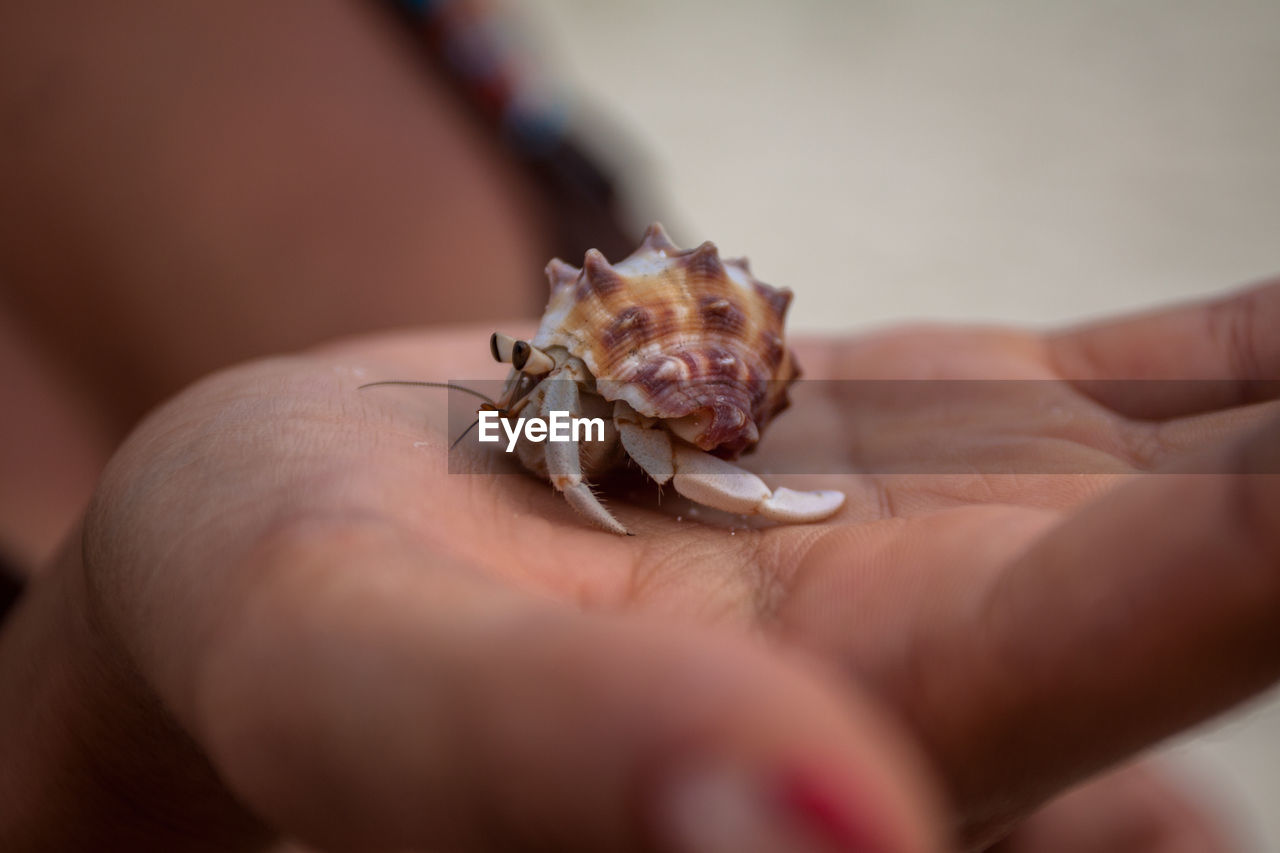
(285, 566)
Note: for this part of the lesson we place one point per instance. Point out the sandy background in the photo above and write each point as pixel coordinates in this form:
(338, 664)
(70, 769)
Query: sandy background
(1037, 162)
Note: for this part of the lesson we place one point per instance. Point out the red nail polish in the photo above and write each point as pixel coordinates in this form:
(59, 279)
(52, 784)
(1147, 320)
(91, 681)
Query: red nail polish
(813, 803)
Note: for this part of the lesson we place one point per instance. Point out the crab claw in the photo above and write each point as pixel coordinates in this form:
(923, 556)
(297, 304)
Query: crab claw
(712, 481)
(789, 505)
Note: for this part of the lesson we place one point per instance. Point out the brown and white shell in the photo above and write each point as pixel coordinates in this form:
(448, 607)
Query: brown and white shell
(677, 334)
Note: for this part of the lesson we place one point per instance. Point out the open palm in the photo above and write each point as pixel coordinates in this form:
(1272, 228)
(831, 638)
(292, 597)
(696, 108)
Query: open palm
(371, 649)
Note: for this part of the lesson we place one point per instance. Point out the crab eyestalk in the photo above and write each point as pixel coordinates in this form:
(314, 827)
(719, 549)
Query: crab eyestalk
(521, 355)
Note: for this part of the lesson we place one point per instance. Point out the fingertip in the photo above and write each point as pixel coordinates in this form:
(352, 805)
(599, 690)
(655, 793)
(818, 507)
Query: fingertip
(797, 761)
(717, 807)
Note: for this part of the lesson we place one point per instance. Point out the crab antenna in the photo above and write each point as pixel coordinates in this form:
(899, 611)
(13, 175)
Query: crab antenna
(463, 434)
(448, 385)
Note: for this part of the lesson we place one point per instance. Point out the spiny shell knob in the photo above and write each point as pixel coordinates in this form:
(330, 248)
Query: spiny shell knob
(677, 334)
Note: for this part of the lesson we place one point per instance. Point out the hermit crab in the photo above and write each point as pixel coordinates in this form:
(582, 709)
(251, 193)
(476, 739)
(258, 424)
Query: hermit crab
(678, 357)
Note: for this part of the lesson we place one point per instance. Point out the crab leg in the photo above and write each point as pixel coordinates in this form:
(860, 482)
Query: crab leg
(564, 462)
(649, 448)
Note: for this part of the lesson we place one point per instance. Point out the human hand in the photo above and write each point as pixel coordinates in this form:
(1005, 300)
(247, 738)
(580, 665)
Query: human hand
(259, 598)
(371, 651)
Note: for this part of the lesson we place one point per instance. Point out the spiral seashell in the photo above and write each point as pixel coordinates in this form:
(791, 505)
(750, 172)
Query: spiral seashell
(679, 334)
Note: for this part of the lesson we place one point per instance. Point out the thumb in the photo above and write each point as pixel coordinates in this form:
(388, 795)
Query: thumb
(371, 696)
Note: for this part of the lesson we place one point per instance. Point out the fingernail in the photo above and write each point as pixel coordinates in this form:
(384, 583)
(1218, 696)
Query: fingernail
(813, 803)
(718, 809)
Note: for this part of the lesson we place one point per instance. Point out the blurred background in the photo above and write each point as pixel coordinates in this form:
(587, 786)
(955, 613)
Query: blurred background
(1033, 162)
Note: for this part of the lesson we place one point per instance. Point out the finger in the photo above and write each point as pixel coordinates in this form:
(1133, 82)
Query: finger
(1148, 611)
(366, 696)
(1135, 810)
(1154, 445)
(1182, 360)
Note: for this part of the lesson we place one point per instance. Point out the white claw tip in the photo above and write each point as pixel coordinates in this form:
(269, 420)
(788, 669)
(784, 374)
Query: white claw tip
(788, 505)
